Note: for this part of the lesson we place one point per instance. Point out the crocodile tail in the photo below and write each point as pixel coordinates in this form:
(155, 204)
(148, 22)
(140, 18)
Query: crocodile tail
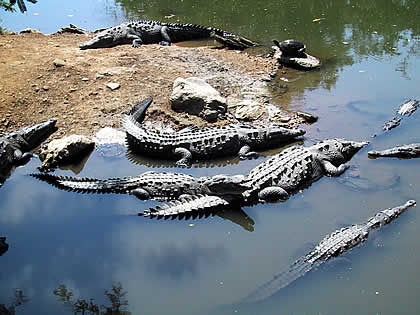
(187, 207)
(89, 185)
(138, 111)
(280, 281)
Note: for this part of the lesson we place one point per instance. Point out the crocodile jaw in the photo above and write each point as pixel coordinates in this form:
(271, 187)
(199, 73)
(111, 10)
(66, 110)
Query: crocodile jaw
(35, 135)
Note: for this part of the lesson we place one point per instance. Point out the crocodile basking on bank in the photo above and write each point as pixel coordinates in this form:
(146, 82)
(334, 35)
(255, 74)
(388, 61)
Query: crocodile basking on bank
(194, 144)
(152, 185)
(164, 33)
(273, 180)
(15, 146)
(333, 245)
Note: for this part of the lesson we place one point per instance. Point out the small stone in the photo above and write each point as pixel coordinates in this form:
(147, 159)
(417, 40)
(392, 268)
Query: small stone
(113, 86)
(85, 79)
(46, 88)
(73, 90)
(59, 63)
(30, 31)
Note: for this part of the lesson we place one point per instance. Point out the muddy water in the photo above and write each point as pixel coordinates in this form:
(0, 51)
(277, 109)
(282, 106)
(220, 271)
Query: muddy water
(370, 51)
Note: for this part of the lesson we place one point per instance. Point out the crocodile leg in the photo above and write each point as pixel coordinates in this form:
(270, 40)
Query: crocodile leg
(273, 194)
(165, 35)
(185, 155)
(141, 194)
(332, 170)
(137, 42)
(246, 153)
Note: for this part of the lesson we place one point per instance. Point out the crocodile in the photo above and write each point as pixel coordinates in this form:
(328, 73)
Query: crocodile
(273, 180)
(3, 245)
(15, 146)
(192, 143)
(152, 185)
(142, 32)
(333, 245)
(406, 151)
(405, 109)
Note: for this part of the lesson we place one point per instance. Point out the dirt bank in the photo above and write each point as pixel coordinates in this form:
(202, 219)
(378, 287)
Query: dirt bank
(44, 76)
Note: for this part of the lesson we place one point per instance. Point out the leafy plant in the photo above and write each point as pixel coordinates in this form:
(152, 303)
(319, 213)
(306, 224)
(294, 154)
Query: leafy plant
(8, 5)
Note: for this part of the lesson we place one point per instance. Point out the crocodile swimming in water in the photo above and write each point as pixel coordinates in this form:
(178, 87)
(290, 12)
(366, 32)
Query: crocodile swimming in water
(3, 246)
(194, 144)
(333, 245)
(406, 151)
(273, 180)
(152, 185)
(15, 146)
(164, 33)
(405, 109)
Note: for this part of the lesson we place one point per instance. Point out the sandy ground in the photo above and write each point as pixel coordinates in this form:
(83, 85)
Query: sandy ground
(33, 87)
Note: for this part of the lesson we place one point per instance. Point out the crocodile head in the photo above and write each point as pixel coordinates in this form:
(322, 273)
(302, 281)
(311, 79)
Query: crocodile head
(339, 151)
(350, 148)
(227, 185)
(277, 133)
(105, 39)
(29, 138)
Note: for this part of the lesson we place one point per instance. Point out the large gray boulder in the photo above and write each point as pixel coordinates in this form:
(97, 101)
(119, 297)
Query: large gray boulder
(68, 150)
(195, 96)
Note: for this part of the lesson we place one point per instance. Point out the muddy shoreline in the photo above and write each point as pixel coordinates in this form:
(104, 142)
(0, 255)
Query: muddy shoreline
(46, 76)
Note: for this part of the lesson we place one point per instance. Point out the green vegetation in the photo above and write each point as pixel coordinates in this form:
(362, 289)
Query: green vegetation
(115, 297)
(9, 5)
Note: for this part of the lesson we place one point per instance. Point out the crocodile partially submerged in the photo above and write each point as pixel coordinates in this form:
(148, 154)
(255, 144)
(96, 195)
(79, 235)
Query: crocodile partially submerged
(406, 151)
(273, 180)
(405, 109)
(195, 144)
(333, 245)
(152, 185)
(15, 146)
(3, 245)
(143, 32)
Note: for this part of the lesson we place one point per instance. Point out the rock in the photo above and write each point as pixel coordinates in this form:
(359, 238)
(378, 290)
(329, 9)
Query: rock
(309, 118)
(68, 150)
(59, 63)
(307, 62)
(30, 31)
(195, 96)
(72, 29)
(245, 109)
(113, 86)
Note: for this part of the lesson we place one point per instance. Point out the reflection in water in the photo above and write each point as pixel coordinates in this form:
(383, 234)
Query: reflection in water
(115, 297)
(238, 216)
(18, 300)
(176, 262)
